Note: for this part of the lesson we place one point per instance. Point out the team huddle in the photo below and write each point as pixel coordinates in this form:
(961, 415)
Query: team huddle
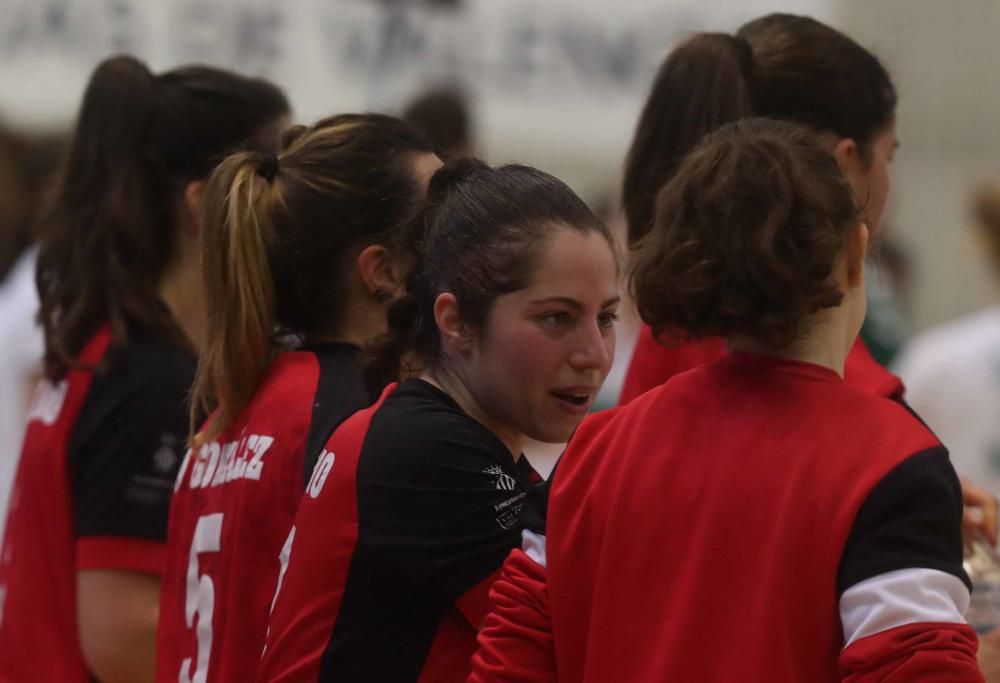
(291, 372)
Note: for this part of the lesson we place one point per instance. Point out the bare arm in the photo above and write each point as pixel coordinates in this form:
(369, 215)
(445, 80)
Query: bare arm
(117, 613)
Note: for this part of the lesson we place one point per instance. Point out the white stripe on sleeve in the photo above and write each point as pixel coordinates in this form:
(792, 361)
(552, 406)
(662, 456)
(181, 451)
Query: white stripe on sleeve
(533, 546)
(905, 596)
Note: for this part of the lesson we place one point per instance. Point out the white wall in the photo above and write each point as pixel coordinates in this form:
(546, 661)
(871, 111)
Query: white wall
(943, 57)
(557, 83)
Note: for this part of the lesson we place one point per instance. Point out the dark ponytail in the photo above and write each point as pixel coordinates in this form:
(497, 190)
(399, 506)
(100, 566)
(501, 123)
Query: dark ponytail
(477, 239)
(779, 66)
(102, 181)
(702, 85)
(109, 234)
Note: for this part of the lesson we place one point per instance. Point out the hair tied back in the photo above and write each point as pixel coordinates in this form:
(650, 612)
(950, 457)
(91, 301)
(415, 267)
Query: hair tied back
(746, 48)
(268, 167)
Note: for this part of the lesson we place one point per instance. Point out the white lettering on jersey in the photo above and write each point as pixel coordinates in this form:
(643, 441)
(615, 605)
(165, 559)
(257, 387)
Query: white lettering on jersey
(47, 402)
(217, 464)
(320, 473)
(256, 465)
(183, 470)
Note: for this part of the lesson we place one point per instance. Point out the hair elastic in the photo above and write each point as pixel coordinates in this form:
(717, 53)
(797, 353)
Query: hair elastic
(268, 167)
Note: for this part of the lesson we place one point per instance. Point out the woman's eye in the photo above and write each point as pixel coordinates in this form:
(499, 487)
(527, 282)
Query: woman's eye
(607, 319)
(561, 319)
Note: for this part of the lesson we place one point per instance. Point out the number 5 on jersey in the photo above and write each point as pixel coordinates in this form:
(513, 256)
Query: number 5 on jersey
(201, 596)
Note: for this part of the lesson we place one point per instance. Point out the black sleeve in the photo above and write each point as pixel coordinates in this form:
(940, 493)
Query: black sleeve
(127, 447)
(911, 519)
(442, 510)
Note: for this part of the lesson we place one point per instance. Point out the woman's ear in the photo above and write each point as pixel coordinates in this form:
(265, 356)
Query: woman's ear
(379, 272)
(855, 253)
(194, 193)
(455, 333)
(848, 157)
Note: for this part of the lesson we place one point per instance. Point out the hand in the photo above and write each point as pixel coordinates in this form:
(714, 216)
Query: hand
(980, 515)
(989, 656)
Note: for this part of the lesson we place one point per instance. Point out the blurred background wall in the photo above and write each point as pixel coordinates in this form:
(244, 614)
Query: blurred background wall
(556, 83)
(943, 57)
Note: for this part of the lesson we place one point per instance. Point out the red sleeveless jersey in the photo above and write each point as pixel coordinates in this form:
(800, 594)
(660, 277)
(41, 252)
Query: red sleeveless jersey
(233, 507)
(39, 640)
(93, 489)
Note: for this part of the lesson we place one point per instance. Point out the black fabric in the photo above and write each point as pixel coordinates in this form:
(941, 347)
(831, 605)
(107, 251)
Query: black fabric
(439, 498)
(536, 505)
(129, 440)
(340, 393)
(910, 519)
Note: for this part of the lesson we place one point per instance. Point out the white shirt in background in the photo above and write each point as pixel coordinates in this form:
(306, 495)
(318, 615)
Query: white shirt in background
(952, 378)
(21, 349)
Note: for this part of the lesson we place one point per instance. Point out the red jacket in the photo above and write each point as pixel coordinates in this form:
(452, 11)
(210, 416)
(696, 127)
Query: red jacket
(653, 364)
(753, 520)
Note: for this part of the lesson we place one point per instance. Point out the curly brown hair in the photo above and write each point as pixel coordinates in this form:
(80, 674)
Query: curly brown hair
(745, 238)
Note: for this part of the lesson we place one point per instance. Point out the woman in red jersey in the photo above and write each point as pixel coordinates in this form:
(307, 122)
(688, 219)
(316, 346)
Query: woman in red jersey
(415, 502)
(784, 67)
(302, 244)
(758, 518)
(122, 312)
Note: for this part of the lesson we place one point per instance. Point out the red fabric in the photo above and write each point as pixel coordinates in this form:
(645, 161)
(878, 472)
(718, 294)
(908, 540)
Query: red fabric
(307, 605)
(127, 554)
(39, 640)
(864, 372)
(944, 653)
(475, 604)
(257, 508)
(515, 643)
(743, 552)
(451, 651)
(653, 364)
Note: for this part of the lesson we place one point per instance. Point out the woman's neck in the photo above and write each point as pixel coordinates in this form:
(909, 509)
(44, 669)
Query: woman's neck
(451, 384)
(182, 292)
(361, 322)
(827, 344)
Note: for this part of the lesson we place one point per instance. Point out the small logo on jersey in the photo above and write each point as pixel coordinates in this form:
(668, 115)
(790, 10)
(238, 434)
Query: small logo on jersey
(509, 511)
(47, 402)
(165, 459)
(504, 482)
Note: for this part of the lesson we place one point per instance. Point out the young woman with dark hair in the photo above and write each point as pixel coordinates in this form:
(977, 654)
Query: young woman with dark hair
(123, 314)
(784, 67)
(414, 503)
(780, 66)
(758, 518)
(305, 244)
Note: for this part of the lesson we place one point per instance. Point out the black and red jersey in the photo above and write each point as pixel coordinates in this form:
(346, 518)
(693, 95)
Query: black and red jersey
(653, 364)
(233, 509)
(92, 492)
(756, 519)
(411, 510)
